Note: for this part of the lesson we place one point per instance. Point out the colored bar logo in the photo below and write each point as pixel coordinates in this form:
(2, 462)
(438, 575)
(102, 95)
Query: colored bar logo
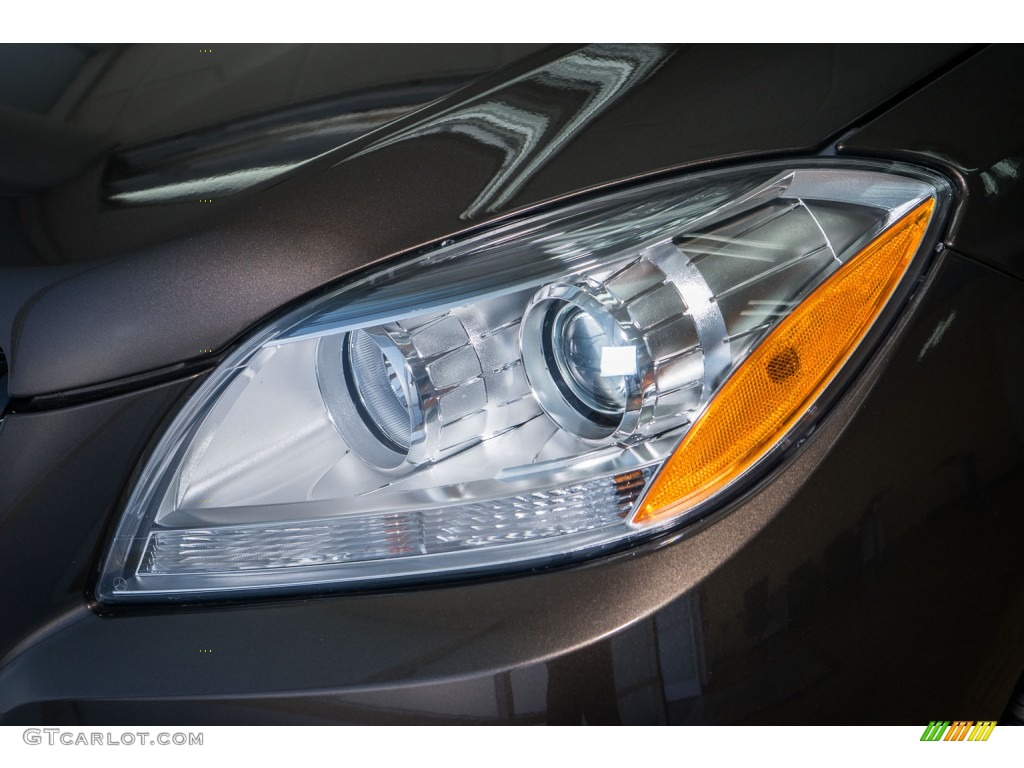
(959, 730)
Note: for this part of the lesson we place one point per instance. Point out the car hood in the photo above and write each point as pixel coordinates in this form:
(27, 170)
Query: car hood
(154, 254)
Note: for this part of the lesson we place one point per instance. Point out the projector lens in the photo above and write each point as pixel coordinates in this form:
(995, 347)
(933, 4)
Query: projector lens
(576, 345)
(380, 387)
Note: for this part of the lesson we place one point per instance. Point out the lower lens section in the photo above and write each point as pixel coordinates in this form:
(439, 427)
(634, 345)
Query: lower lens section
(432, 538)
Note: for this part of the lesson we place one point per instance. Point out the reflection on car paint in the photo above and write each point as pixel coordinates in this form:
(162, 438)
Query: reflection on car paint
(232, 158)
(529, 134)
(1001, 176)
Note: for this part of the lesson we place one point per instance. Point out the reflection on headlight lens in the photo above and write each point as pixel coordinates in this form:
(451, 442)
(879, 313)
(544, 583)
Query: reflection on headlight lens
(591, 369)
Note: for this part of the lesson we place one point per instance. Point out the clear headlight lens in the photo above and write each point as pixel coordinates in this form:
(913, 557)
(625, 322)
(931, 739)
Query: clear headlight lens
(507, 401)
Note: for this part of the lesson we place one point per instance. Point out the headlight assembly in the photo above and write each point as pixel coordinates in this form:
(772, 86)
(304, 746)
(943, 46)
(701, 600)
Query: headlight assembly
(546, 390)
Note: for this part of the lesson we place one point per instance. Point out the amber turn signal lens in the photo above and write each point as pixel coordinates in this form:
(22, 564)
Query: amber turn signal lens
(781, 379)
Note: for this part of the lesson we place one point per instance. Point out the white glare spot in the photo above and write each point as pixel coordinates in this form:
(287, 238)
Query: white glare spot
(618, 361)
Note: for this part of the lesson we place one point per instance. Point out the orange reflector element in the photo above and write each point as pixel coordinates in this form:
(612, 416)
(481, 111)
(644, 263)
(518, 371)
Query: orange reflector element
(780, 380)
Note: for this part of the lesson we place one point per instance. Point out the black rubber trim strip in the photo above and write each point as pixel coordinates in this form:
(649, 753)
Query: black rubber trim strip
(110, 388)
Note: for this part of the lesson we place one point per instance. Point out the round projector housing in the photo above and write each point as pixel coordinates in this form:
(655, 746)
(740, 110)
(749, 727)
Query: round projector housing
(369, 389)
(584, 360)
